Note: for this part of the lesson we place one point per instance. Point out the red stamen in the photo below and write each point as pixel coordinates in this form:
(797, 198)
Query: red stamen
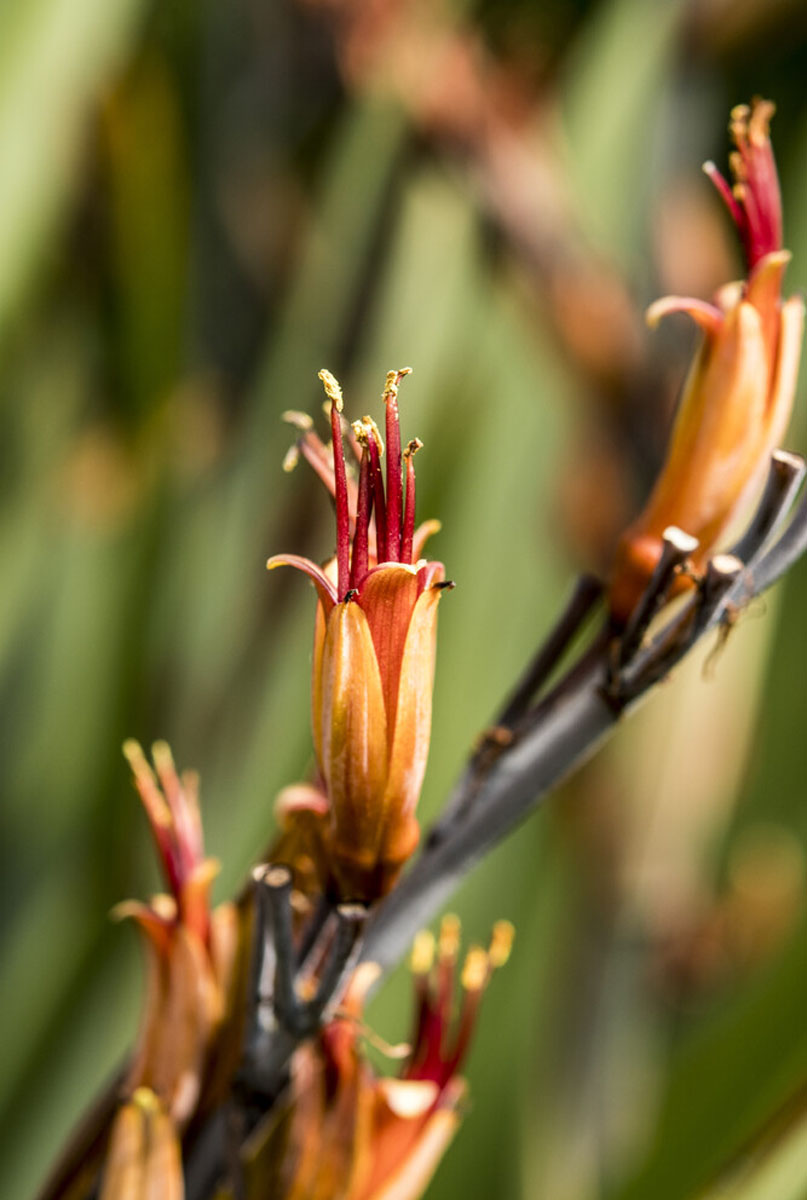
(394, 465)
(724, 188)
(159, 817)
(379, 502)
(342, 505)
(755, 202)
(427, 1040)
(409, 509)
(465, 1028)
(361, 555)
(447, 950)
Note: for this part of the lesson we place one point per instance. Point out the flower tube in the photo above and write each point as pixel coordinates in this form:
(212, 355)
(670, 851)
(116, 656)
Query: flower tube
(374, 647)
(738, 396)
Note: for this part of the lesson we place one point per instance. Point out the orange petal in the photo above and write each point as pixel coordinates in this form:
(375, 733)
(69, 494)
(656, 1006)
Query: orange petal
(422, 534)
(707, 316)
(325, 589)
(402, 1171)
(353, 733)
(764, 292)
(225, 943)
(320, 623)
(156, 926)
(387, 597)
(410, 744)
(195, 897)
(717, 434)
(299, 797)
(780, 402)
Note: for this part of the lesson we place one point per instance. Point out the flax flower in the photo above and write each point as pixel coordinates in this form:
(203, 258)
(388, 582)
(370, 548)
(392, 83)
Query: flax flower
(738, 397)
(191, 951)
(348, 1133)
(374, 647)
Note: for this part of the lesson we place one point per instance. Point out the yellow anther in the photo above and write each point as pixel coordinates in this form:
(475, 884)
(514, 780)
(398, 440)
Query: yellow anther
(332, 388)
(393, 380)
(133, 753)
(145, 1099)
(476, 969)
(422, 952)
(737, 165)
(449, 942)
(163, 758)
(291, 459)
(501, 943)
(760, 121)
(413, 447)
(365, 429)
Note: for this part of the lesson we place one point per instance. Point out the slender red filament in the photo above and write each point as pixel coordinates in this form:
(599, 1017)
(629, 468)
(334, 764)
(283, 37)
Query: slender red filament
(428, 1045)
(409, 506)
(465, 1027)
(379, 501)
(724, 188)
(394, 476)
(360, 560)
(342, 505)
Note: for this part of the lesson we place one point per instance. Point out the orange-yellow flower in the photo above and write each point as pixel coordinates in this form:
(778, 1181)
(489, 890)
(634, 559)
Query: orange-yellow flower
(738, 397)
(191, 950)
(374, 647)
(350, 1134)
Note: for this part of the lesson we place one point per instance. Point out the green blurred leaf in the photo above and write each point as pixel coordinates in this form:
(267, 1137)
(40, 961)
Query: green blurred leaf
(55, 55)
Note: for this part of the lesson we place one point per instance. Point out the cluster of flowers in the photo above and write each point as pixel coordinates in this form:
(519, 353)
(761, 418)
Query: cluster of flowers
(345, 1131)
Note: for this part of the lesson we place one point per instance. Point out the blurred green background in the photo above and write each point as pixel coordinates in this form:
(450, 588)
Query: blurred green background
(201, 204)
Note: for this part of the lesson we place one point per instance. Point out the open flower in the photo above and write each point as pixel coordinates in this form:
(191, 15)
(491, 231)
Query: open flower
(348, 1133)
(738, 397)
(191, 950)
(374, 646)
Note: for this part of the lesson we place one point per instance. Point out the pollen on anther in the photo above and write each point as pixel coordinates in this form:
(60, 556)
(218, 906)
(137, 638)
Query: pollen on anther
(475, 969)
(422, 952)
(364, 430)
(501, 943)
(449, 942)
(332, 389)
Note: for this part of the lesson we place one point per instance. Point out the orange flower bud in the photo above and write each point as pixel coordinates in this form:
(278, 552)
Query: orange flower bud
(374, 647)
(739, 394)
